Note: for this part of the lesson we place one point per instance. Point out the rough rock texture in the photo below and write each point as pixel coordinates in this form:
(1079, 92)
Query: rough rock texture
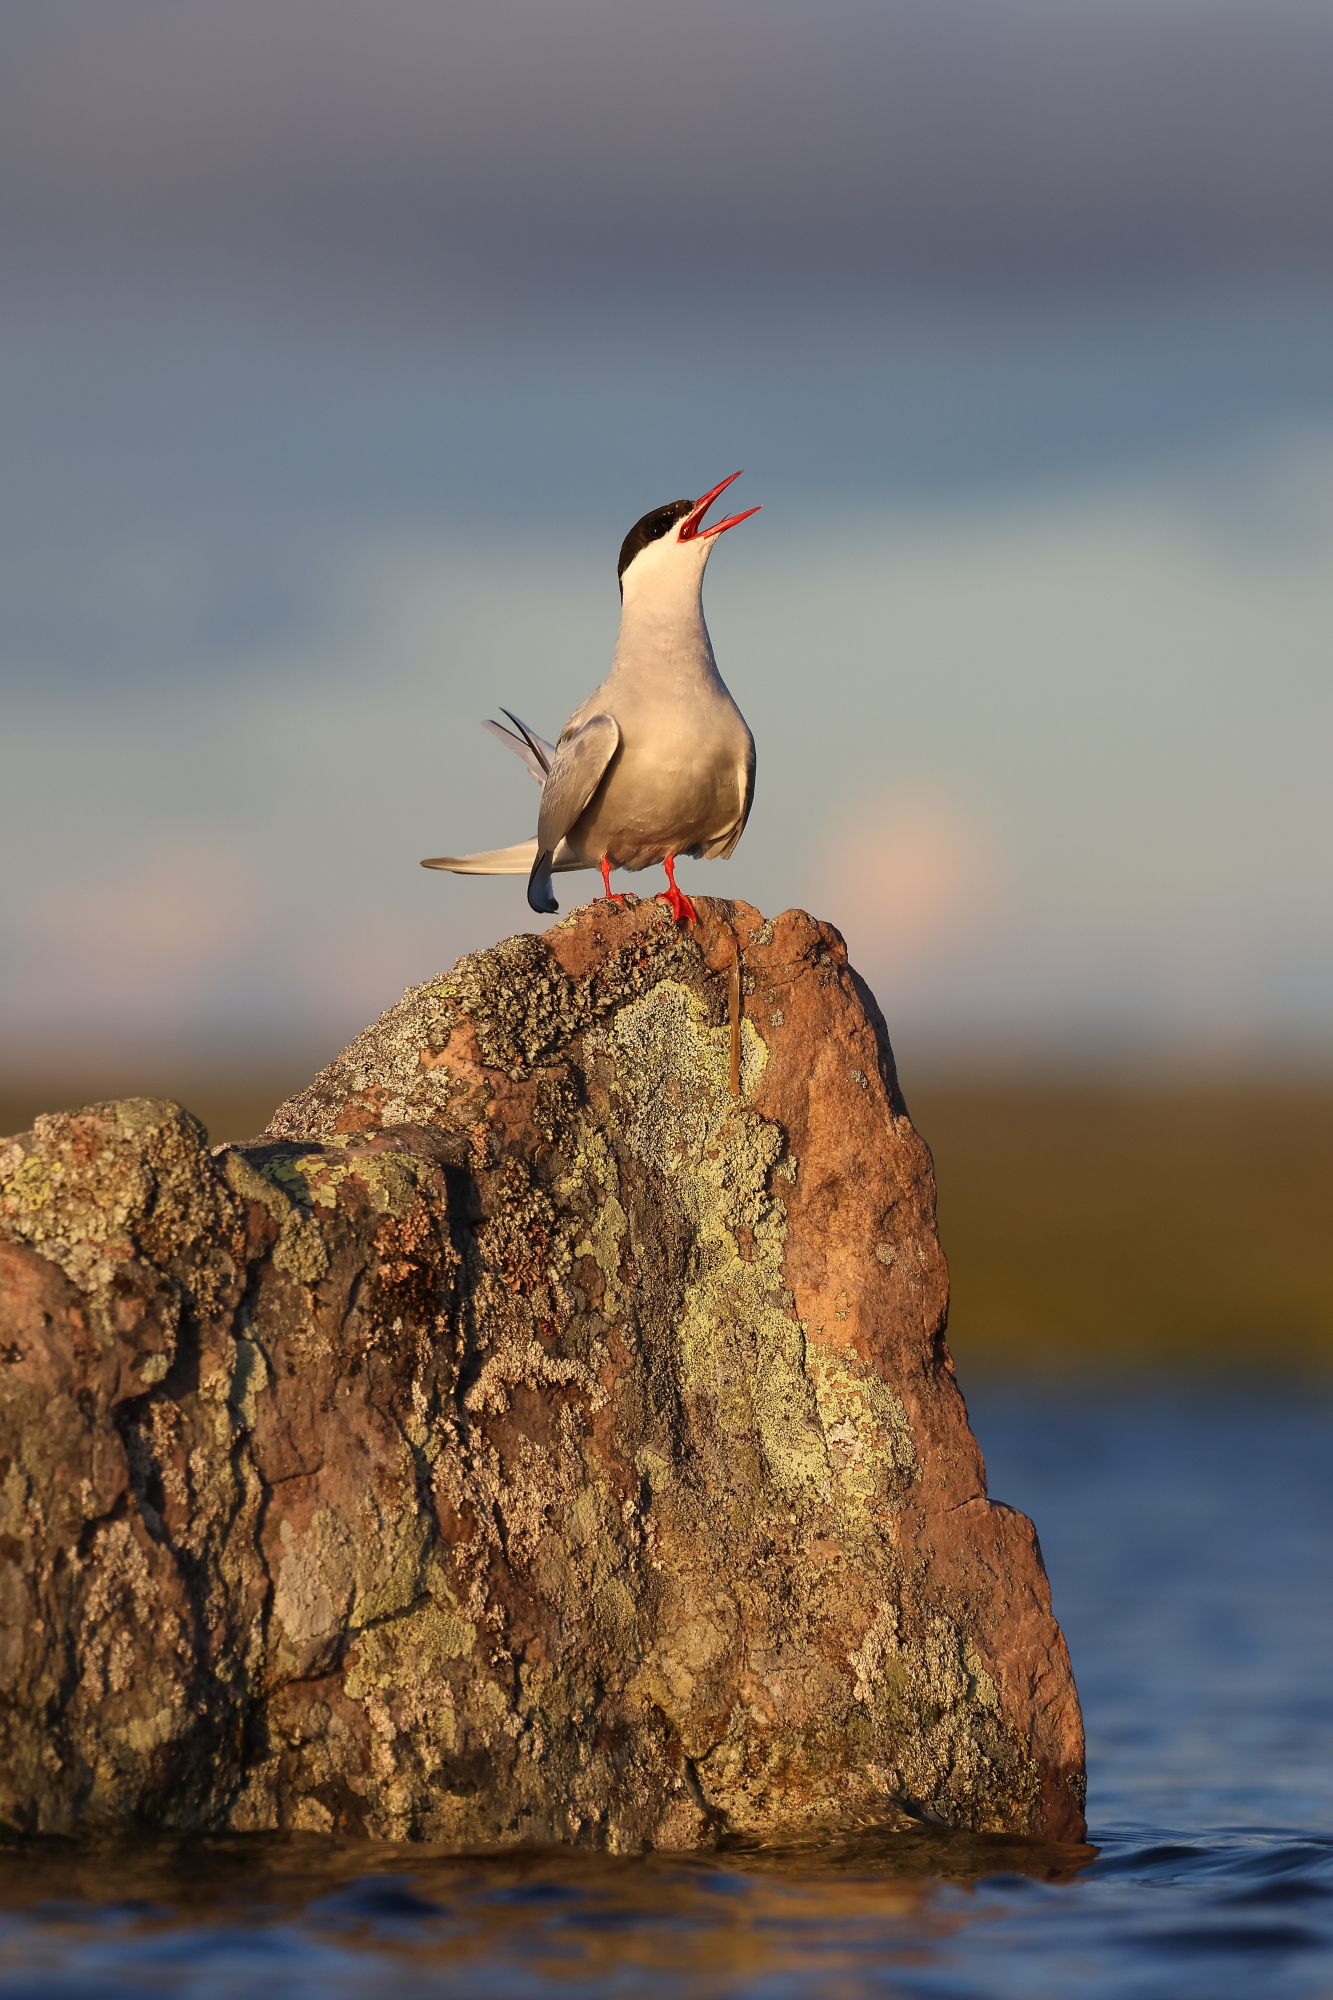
(527, 1439)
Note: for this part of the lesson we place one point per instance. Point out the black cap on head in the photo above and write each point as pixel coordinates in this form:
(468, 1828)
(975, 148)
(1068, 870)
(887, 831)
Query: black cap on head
(651, 529)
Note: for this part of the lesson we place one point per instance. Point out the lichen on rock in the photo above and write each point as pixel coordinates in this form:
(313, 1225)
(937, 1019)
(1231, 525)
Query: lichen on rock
(524, 1439)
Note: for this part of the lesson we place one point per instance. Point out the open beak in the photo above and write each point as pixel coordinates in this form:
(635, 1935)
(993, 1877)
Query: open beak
(692, 528)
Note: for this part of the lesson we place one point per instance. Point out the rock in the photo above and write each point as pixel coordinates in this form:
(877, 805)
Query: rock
(525, 1439)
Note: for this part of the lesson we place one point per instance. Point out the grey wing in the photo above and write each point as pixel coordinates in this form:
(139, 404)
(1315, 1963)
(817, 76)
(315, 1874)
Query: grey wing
(577, 769)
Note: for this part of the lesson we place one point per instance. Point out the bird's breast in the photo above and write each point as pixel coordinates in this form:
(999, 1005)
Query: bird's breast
(676, 782)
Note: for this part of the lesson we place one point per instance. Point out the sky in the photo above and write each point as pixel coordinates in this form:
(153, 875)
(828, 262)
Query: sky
(340, 345)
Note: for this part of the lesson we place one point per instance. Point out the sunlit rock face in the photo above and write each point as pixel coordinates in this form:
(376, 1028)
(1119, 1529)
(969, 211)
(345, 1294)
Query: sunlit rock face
(530, 1437)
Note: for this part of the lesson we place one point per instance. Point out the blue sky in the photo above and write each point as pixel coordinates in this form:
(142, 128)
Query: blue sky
(325, 413)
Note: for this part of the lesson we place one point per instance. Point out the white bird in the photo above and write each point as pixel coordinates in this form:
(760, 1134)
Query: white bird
(659, 761)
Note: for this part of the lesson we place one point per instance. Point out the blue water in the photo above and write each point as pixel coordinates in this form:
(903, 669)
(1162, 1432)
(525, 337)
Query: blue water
(1191, 1553)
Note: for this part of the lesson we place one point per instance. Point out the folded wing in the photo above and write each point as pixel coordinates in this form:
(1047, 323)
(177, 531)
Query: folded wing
(577, 769)
(569, 773)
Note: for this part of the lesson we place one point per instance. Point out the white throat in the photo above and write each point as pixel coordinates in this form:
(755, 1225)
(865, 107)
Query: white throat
(662, 620)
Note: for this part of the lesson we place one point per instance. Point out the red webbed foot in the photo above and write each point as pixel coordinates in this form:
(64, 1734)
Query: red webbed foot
(608, 891)
(676, 899)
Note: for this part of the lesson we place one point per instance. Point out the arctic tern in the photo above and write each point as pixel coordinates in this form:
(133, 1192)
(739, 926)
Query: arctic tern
(659, 761)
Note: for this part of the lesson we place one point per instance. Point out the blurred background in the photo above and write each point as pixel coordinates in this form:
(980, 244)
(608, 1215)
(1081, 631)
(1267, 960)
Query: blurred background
(342, 344)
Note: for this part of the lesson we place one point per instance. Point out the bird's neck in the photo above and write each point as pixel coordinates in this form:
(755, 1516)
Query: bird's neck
(662, 629)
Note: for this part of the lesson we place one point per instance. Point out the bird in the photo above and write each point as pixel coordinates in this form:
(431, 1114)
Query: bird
(659, 761)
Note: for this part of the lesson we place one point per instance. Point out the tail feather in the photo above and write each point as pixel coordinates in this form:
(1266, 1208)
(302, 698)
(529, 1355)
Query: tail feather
(535, 751)
(499, 861)
(517, 860)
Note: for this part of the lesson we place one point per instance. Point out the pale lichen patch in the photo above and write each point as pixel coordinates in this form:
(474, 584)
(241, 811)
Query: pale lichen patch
(740, 1354)
(867, 1432)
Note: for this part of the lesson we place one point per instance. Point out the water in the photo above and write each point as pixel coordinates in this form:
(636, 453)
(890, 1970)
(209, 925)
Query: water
(1191, 1552)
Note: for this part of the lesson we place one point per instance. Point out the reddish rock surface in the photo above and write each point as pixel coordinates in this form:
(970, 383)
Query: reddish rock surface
(528, 1438)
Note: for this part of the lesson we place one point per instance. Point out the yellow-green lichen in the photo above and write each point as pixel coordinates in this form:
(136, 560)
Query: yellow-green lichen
(937, 1710)
(122, 1180)
(313, 1178)
(34, 1183)
(412, 1566)
(410, 1656)
(740, 1353)
(251, 1184)
(249, 1377)
(866, 1431)
(310, 1178)
(300, 1250)
(983, 1687)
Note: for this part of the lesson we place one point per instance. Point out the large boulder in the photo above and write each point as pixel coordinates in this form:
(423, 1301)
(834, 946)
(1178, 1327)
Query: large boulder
(545, 1431)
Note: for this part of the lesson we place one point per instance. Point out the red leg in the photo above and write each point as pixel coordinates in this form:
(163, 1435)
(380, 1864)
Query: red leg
(681, 906)
(611, 895)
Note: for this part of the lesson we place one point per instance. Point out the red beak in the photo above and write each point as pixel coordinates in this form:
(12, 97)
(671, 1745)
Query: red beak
(692, 528)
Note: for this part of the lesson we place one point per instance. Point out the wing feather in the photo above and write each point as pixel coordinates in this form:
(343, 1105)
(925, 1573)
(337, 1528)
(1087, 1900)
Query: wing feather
(535, 751)
(582, 757)
(577, 769)
(543, 751)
